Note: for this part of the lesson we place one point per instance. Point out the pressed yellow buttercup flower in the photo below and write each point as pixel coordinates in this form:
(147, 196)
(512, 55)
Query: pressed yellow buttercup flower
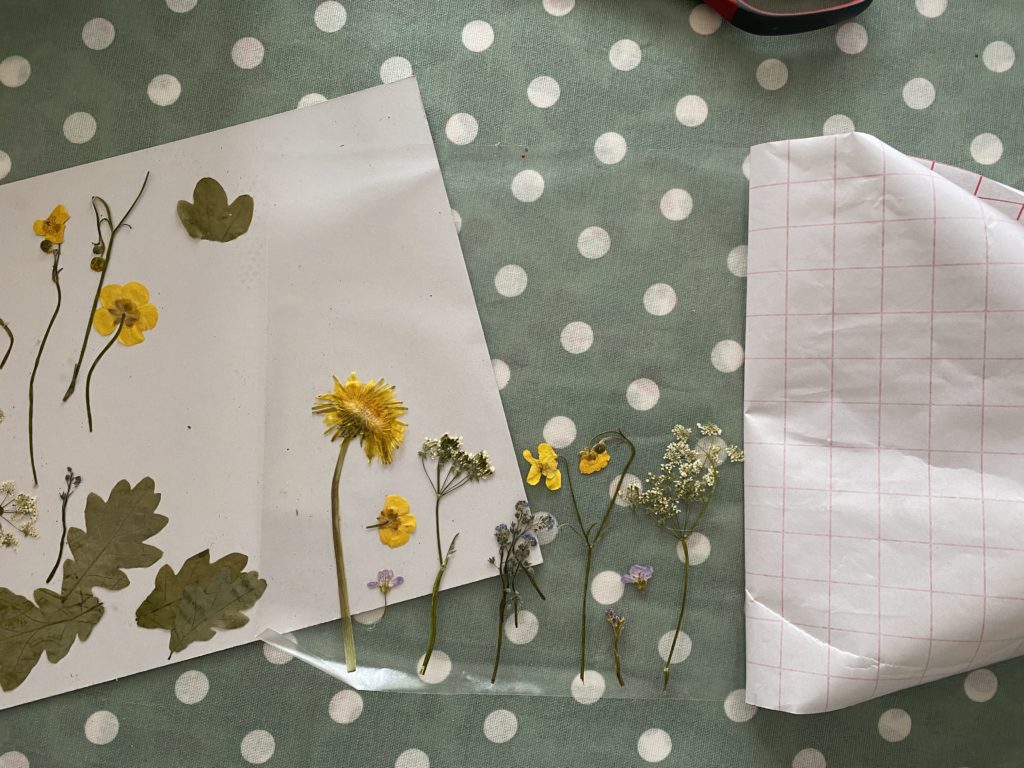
(395, 522)
(545, 465)
(594, 459)
(52, 227)
(126, 306)
(367, 410)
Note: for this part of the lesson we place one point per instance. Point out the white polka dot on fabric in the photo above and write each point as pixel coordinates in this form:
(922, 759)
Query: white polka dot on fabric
(705, 20)
(500, 726)
(559, 431)
(102, 727)
(610, 148)
(5, 164)
(15, 71)
(258, 746)
(79, 127)
(837, 124)
(345, 707)
(545, 536)
(528, 627)
(642, 394)
(727, 356)
(181, 6)
(660, 299)
(558, 7)
(986, 148)
(247, 53)
(682, 650)
(593, 242)
(607, 587)
(577, 337)
(736, 261)
(191, 687)
(894, 725)
(13, 760)
(654, 745)
(330, 16)
(745, 166)
(676, 204)
(413, 758)
(931, 8)
(625, 55)
(510, 280)
(163, 90)
(628, 480)
(852, 38)
(438, 669)
(527, 186)
(477, 36)
(809, 758)
(691, 111)
(700, 549)
(457, 220)
(736, 707)
(311, 100)
(589, 689)
(981, 685)
(543, 91)
(919, 93)
(502, 373)
(369, 617)
(772, 74)
(998, 56)
(276, 655)
(395, 68)
(461, 128)
(98, 34)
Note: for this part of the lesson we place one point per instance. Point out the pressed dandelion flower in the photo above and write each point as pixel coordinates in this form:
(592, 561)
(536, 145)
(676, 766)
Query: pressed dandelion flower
(126, 307)
(638, 576)
(594, 459)
(370, 412)
(395, 522)
(365, 410)
(52, 227)
(126, 313)
(545, 465)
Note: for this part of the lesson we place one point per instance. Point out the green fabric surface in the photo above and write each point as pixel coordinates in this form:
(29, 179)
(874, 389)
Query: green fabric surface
(260, 710)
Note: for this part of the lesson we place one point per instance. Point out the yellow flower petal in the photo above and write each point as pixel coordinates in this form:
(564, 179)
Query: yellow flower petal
(591, 462)
(546, 453)
(533, 476)
(60, 215)
(103, 322)
(554, 480)
(137, 292)
(110, 293)
(407, 523)
(130, 336)
(393, 538)
(398, 504)
(147, 317)
(39, 227)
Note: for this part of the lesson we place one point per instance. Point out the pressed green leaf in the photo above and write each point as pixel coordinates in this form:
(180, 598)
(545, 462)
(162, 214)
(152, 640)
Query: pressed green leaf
(114, 538)
(159, 609)
(217, 605)
(51, 624)
(209, 216)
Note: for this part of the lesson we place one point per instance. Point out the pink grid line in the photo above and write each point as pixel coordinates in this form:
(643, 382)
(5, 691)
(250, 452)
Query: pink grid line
(881, 539)
(890, 266)
(875, 448)
(865, 221)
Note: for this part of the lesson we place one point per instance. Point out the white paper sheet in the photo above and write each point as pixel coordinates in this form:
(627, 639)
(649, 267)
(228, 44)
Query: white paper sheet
(352, 263)
(884, 423)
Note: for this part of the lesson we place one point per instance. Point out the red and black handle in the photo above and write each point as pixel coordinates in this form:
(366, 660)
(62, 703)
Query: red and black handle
(745, 16)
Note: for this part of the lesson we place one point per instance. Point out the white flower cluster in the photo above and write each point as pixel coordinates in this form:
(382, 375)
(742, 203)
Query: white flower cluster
(18, 510)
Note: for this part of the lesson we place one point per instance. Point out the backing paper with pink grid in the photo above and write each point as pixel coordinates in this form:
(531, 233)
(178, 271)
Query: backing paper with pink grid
(884, 422)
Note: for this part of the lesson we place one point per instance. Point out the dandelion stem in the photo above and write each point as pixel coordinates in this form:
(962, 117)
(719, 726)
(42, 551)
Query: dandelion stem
(92, 368)
(55, 277)
(682, 612)
(434, 596)
(348, 636)
(10, 342)
(108, 252)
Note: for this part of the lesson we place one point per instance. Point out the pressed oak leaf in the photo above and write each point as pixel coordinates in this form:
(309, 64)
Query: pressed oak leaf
(114, 538)
(209, 217)
(218, 604)
(159, 609)
(50, 624)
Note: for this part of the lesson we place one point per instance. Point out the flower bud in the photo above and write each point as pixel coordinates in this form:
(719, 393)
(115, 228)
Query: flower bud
(46, 246)
(97, 263)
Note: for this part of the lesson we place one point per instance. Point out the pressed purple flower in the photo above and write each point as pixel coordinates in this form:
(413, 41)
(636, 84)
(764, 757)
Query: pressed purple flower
(386, 581)
(638, 576)
(615, 619)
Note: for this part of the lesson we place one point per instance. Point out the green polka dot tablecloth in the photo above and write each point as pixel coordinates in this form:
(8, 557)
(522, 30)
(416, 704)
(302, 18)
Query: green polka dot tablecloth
(594, 152)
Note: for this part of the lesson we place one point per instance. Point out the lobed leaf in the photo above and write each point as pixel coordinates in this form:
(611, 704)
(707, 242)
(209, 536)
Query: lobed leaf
(159, 609)
(210, 217)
